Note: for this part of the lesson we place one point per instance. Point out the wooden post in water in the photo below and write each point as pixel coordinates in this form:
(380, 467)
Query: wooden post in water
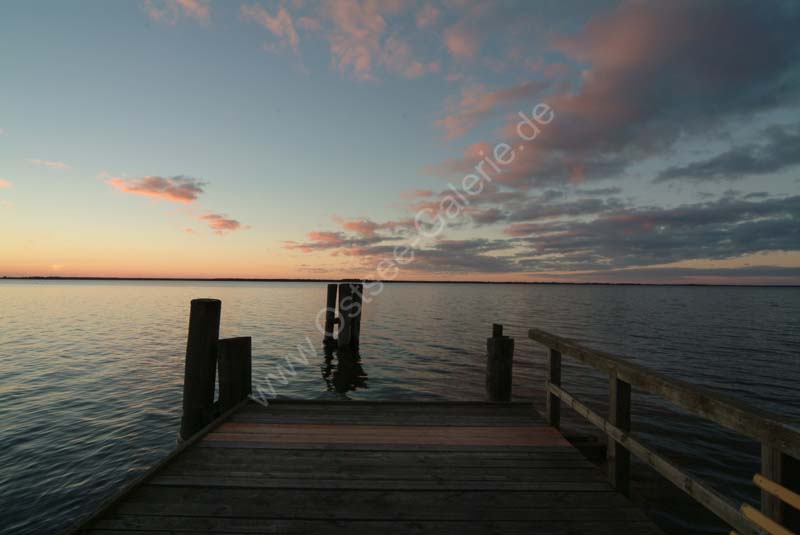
(330, 314)
(499, 365)
(350, 304)
(784, 470)
(619, 415)
(201, 365)
(345, 323)
(358, 305)
(235, 359)
(553, 408)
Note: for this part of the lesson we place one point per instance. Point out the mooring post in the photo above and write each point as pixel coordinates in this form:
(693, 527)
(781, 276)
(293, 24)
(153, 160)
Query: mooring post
(358, 306)
(235, 359)
(330, 314)
(785, 471)
(499, 365)
(201, 365)
(345, 325)
(619, 415)
(553, 408)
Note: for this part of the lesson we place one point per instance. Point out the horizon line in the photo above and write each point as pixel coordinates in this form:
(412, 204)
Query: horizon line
(401, 281)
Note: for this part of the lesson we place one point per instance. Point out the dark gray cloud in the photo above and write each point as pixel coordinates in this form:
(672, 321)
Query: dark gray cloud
(726, 228)
(779, 149)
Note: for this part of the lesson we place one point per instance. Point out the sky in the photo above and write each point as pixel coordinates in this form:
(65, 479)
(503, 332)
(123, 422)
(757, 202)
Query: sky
(553, 141)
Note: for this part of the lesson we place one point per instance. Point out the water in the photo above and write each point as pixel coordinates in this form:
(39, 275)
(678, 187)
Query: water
(91, 372)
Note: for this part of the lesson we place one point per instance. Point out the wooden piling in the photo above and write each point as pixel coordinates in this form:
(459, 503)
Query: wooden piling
(358, 305)
(345, 323)
(499, 365)
(330, 314)
(235, 360)
(201, 365)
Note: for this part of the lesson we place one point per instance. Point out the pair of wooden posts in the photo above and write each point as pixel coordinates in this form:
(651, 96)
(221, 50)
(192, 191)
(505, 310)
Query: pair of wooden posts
(205, 353)
(349, 304)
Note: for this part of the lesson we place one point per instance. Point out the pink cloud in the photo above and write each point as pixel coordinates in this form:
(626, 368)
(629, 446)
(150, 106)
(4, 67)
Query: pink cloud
(417, 193)
(221, 223)
(280, 25)
(4, 183)
(50, 164)
(308, 23)
(477, 102)
(169, 11)
(427, 16)
(176, 189)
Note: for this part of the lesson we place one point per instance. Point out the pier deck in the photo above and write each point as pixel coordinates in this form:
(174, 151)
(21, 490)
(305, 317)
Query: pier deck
(374, 467)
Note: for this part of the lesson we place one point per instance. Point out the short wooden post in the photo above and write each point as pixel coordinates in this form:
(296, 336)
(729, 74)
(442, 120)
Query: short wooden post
(619, 415)
(345, 323)
(235, 361)
(358, 305)
(784, 470)
(499, 365)
(553, 408)
(330, 314)
(201, 365)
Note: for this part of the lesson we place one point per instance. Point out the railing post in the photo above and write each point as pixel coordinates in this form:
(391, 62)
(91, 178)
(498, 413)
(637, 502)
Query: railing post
(619, 415)
(499, 365)
(201, 365)
(553, 409)
(330, 313)
(784, 470)
(235, 359)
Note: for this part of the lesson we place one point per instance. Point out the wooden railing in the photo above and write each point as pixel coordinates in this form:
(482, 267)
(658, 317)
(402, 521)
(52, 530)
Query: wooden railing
(780, 441)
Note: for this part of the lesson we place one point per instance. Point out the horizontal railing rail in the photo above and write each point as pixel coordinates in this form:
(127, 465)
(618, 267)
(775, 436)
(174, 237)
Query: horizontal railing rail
(780, 440)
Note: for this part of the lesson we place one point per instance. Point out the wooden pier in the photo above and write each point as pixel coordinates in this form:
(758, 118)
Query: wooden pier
(375, 467)
(287, 467)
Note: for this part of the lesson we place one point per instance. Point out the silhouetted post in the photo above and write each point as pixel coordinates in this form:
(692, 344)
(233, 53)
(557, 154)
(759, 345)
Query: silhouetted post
(619, 415)
(358, 305)
(235, 360)
(330, 314)
(784, 470)
(201, 365)
(553, 409)
(499, 361)
(345, 323)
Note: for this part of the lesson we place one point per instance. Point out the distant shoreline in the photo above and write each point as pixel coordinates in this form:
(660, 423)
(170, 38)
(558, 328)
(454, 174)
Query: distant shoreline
(408, 281)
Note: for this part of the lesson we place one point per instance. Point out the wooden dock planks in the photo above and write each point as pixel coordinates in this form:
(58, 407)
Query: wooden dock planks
(373, 467)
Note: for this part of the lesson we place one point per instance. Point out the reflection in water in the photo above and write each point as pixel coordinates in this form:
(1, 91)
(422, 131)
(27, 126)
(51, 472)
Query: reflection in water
(346, 374)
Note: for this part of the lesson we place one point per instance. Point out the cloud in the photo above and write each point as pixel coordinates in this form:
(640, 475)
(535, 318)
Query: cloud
(3, 131)
(280, 25)
(417, 193)
(222, 224)
(725, 228)
(170, 11)
(427, 16)
(176, 189)
(730, 62)
(477, 102)
(50, 164)
(780, 149)
(4, 183)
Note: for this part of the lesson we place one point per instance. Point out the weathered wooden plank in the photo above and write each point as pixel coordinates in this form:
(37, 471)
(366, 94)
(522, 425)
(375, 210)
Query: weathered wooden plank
(379, 527)
(357, 503)
(759, 424)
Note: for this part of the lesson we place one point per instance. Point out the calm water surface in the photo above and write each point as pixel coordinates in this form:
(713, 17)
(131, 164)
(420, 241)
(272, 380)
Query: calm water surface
(91, 372)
